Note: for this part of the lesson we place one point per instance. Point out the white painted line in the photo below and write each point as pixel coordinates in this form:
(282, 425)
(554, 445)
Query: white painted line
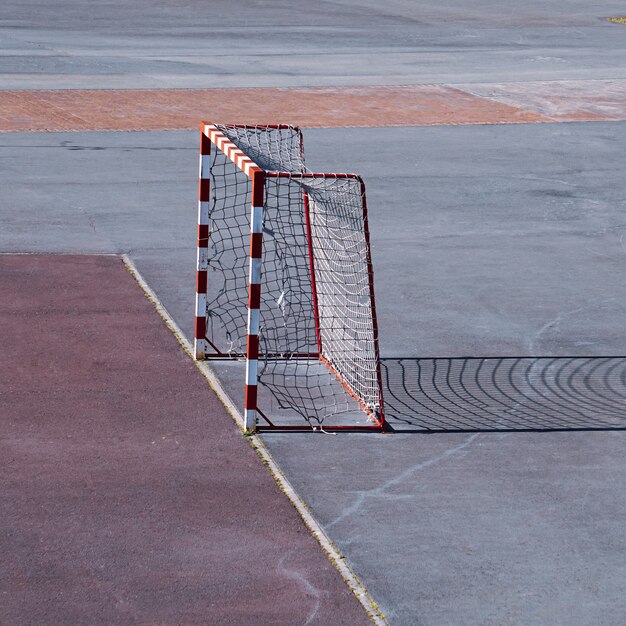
(349, 577)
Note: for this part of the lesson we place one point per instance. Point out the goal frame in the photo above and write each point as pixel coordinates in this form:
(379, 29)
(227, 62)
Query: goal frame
(204, 349)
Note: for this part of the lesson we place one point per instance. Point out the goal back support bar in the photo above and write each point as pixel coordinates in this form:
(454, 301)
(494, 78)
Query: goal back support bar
(312, 187)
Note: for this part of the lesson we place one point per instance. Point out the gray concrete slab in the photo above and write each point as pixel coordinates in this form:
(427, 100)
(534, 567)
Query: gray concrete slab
(492, 241)
(353, 42)
(487, 241)
(479, 528)
(105, 192)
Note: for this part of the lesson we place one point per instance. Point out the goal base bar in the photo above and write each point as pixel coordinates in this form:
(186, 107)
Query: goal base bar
(269, 426)
(314, 429)
(240, 356)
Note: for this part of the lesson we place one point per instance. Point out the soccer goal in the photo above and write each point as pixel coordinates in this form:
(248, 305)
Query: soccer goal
(284, 281)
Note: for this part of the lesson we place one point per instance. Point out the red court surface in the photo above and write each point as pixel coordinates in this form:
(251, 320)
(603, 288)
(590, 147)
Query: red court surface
(314, 107)
(128, 495)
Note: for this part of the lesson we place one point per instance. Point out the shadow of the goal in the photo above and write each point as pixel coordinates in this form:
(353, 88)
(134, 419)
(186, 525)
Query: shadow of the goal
(504, 394)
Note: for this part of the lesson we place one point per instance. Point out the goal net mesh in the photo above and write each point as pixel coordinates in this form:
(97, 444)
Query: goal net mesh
(317, 339)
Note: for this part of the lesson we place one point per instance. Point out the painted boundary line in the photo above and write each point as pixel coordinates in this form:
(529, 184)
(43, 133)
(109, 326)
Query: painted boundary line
(348, 575)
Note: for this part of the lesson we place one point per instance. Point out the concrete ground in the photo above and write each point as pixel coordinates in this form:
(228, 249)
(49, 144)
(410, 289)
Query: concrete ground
(195, 43)
(501, 241)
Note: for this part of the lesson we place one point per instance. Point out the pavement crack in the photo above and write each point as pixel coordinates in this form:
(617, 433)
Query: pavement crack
(555, 323)
(300, 578)
(380, 491)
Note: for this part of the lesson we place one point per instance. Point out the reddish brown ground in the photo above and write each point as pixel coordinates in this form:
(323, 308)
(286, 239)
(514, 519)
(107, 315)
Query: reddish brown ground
(313, 107)
(128, 495)
(182, 109)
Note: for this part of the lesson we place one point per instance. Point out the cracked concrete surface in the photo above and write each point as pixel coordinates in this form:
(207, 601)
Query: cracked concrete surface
(382, 490)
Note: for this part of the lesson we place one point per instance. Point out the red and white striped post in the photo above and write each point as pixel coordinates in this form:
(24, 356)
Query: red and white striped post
(202, 261)
(254, 298)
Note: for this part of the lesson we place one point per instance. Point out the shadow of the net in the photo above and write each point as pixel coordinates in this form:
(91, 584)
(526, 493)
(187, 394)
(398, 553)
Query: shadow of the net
(504, 394)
